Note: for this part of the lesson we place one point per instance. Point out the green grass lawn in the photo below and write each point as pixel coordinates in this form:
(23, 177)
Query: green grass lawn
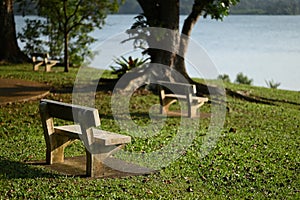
(256, 157)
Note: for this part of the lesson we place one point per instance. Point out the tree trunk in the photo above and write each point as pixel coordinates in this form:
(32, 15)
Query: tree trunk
(66, 52)
(9, 49)
(186, 31)
(165, 14)
(66, 38)
(158, 15)
(180, 66)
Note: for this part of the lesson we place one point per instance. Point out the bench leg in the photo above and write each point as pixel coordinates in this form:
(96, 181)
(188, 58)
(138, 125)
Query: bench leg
(36, 66)
(166, 104)
(193, 111)
(95, 160)
(49, 65)
(55, 153)
(94, 166)
(48, 68)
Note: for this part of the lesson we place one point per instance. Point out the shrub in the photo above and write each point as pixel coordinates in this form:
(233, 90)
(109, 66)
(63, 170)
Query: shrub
(272, 84)
(224, 77)
(125, 65)
(243, 79)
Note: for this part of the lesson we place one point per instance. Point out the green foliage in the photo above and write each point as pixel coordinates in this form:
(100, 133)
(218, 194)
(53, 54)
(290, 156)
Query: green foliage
(272, 84)
(125, 65)
(224, 77)
(139, 33)
(243, 79)
(257, 156)
(67, 25)
(31, 37)
(140, 22)
(217, 9)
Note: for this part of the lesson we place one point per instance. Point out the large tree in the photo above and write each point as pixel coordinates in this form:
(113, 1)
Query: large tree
(165, 14)
(67, 26)
(9, 49)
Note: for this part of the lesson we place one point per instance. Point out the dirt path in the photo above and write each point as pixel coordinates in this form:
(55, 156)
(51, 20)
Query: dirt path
(15, 90)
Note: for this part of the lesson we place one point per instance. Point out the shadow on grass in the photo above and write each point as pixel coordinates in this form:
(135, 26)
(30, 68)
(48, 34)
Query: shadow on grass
(12, 169)
(24, 90)
(145, 115)
(103, 85)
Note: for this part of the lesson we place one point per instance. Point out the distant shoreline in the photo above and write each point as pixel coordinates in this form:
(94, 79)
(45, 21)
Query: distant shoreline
(244, 7)
(232, 14)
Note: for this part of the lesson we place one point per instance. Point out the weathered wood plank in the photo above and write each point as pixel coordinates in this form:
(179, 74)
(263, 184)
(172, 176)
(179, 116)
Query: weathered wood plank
(178, 88)
(39, 59)
(171, 92)
(108, 138)
(99, 144)
(71, 112)
(102, 137)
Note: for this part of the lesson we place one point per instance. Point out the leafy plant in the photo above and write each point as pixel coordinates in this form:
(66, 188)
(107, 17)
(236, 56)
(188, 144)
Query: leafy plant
(66, 27)
(31, 37)
(272, 84)
(224, 77)
(138, 32)
(125, 65)
(243, 79)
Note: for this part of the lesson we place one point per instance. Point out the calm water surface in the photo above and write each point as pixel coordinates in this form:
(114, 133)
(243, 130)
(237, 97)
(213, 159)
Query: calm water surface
(262, 47)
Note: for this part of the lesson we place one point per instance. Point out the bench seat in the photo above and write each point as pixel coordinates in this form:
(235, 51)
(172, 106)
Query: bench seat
(102, 137)
(169, 93)
(183, 97)
(39, 59)
(99, 144)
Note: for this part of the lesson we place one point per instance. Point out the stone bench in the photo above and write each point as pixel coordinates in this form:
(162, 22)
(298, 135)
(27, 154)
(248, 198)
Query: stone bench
(39, 59)
(99, 144)
(169, 93)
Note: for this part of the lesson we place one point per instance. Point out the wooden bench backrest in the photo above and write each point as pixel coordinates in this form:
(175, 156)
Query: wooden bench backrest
(41, 55)
(70, 112)
(85, 116)
(178, 88)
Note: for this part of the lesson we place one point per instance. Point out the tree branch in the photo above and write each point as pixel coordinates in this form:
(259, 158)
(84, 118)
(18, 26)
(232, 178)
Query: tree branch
(58, 15)
(76, 9)
(77, 23)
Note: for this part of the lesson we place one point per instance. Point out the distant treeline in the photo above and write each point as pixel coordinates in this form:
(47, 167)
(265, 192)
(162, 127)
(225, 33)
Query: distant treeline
(255, 7)
(267, 7)
(260, 7)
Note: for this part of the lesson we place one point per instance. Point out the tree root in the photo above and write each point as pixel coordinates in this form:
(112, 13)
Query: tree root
(204, 90)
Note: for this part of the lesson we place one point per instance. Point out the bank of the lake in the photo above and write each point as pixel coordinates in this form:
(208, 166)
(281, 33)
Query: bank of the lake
(262, 47)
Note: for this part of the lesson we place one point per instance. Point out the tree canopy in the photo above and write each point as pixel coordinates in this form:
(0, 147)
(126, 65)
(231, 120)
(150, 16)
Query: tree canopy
(67, 26)
(165, 14)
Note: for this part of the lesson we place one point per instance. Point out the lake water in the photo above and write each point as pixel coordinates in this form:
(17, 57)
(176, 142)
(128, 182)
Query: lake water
(262, 47)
